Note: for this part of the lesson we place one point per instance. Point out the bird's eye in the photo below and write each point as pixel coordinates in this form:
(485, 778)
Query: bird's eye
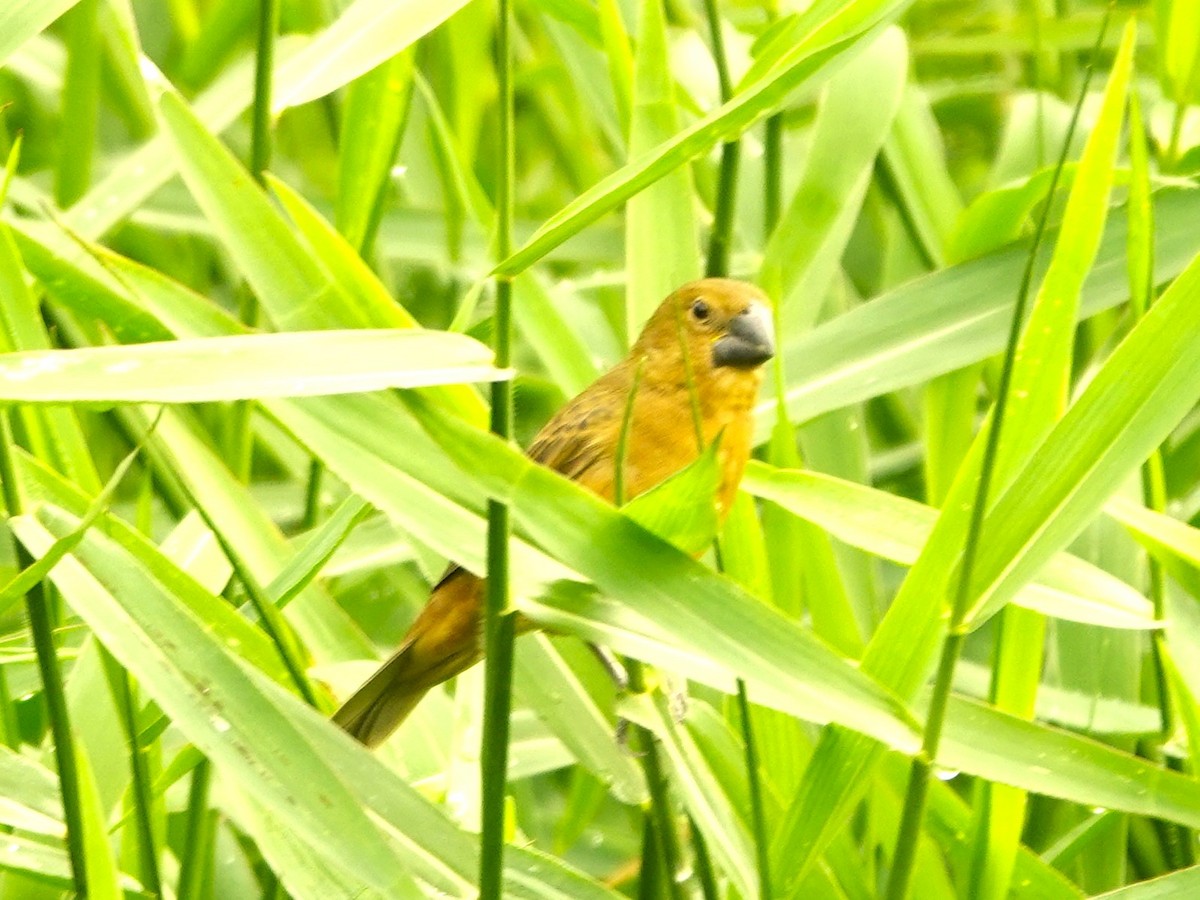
(700, 310)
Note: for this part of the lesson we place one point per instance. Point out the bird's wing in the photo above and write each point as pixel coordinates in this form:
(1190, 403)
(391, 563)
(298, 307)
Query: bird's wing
(579, 442)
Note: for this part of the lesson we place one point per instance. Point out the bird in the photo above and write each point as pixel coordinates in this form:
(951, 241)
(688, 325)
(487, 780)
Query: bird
(694, 374)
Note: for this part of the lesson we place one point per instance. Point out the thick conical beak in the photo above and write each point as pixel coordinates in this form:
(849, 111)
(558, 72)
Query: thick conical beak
(748, 342)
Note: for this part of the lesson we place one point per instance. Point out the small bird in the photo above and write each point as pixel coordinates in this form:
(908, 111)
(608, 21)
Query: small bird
(697, 369)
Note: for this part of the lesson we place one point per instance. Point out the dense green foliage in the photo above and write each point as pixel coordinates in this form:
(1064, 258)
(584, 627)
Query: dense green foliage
(215, 529)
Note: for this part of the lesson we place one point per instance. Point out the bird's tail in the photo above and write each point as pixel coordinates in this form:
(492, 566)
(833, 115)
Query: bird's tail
(443, 641)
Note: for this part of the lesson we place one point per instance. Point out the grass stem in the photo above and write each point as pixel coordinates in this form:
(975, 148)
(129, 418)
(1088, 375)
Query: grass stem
(725, 203)
(264, 62)
(196, 853)
(660, 820)
(37, 607)
(758, 817)
(499, 623)
(140, 782)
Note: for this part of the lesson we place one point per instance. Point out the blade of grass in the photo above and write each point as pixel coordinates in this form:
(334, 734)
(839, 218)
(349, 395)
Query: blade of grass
(175, 661)
(540, 322)
(21, 21)
(125, 698)
(950, 319)
(1034, 383)
(857, 109)
(375, 115)
(842, 763)
(1040, 390)
(103, 877)
(243, 366)
(81, 99)
(558, 525)
(615, 40)
(54, 434)
(661, 248)
(812, 56)
(317, 551)
(897, 529)
(1183, 883)
(726, 836)
(363, 36)
(573, 715)
(178, 454)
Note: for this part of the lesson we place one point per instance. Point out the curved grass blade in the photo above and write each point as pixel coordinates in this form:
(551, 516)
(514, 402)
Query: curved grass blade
(896, 528)
(245, 366)
(813, 56)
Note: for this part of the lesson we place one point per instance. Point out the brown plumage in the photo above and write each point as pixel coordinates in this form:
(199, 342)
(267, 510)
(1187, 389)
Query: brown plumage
(715, 334)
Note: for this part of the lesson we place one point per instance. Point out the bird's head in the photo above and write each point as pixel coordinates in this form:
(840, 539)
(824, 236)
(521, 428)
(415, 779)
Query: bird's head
(721, 324)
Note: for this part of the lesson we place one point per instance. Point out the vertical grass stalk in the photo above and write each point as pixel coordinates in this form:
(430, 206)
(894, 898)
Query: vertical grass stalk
(772, 174)
(38, 610)
(10, 735)
(143, 790)
(241, 433)
(725, 205)
(264, 62)
(660, 821)
(1177, 839)
(921, 770)
(499, 623)
(758, 818)
(197, 842)
(706, 874)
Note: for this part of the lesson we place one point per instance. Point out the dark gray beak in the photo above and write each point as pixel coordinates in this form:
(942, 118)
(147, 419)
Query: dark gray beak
(748, 342)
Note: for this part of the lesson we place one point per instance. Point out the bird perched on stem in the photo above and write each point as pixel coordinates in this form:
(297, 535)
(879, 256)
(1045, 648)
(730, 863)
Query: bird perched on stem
(696, 367)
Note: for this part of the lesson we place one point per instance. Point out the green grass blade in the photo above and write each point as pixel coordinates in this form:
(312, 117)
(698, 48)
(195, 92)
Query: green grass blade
(366, 34)
(916, 164)
(376, 113)
(546, 682)
(103, 877)
(857, 109)
(31, 793)
(1135, 400)
(295, 290)
(247, 729)
(1037, 398)
(897, 529)
(324, 628)
(22, 20)
(245, 366)
(803, 62)
(710, 808)
(558, 524)
(81, 99)
(1041, 378)
(1000, 747)
(1183, 883)
(661, 246)
(54, 434)
(950, 319)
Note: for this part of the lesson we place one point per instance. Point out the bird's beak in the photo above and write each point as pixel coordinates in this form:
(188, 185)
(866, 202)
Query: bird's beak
(748, 342)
